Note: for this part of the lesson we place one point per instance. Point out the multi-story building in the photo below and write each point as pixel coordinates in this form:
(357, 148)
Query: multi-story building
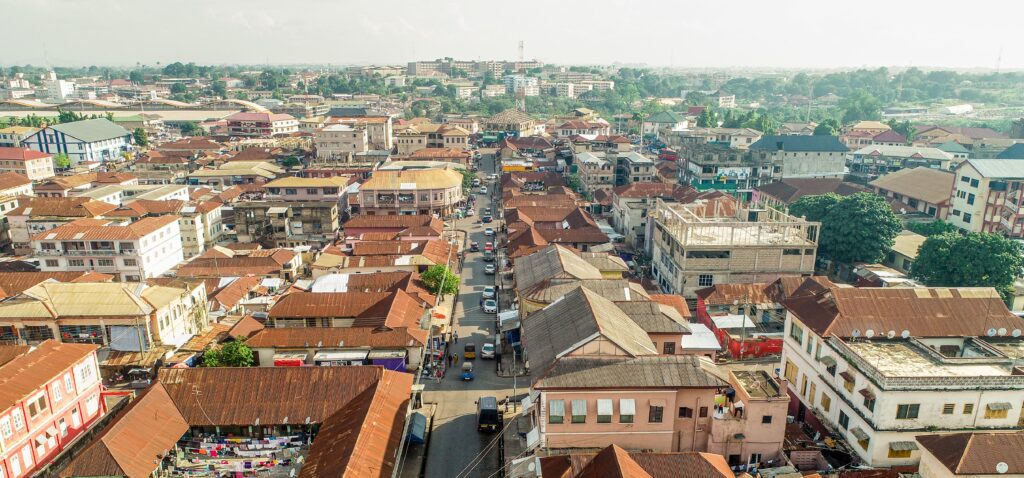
(522, 84)
(707, 242)
(14, 136)
(425, 191)
(879, 366)
(631, 204)
(428, 135)
(514, 122)
(577, 127)
(598, 85)
(802, 156)
(595, 171)
(282, 223)
(988, 195)
(876, 161)
(378, 125)
(713, 165)
(920, 189)
(309, 189)
(632, 167)
(339, 142)
(51, 396)
(200, 222)
(83, 141)
(736, 138)
(37, 215)
(132, 252)
(261, 125)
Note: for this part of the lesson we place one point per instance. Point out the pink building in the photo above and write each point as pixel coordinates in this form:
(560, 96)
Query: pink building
(263, 125)
(49, 395)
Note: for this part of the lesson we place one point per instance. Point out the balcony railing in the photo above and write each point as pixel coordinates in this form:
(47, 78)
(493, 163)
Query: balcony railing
(86, 252)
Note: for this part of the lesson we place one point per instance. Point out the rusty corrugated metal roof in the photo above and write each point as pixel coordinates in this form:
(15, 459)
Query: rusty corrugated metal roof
(647, 464)
(370, 309)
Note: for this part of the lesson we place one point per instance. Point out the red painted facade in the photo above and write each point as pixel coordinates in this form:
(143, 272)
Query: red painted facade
(749, 347)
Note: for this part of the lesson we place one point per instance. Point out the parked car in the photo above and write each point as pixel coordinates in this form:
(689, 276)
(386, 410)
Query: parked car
(489, 269)
(474, 246)
(486, 219)
(483, 189)
(489, 246)
(476, 182)
(487, 351)
(488, 256)
(470, 212)
(490, 307)
(489, 292)
(489, 232)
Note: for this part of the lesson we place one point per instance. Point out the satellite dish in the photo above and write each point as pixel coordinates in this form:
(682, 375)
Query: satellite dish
(991, 332)
(532, 466)
(905, 334)
(891, 334)
(1015, 333)
(1002, 467)
(869, 333)
(1002, 331)
(855, 333)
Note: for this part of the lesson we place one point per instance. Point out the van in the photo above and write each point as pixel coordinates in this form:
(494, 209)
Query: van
(487, 417)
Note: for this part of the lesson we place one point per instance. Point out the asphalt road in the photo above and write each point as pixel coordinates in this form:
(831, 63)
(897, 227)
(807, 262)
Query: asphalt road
(455, 445)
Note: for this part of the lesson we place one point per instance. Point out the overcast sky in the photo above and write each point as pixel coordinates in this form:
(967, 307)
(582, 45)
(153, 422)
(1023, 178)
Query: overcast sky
(683, 33)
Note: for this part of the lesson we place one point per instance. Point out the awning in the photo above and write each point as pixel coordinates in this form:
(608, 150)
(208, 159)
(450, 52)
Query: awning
(999, 406)
(417, 428)
(579, 407)
(126, 338)
(902, 446)
(846, 375)
(859, 433)
(658, 403)
(828, 361)
(289, 359)
(868, 394)
(604, 406)
(556, 408)
(384, 354)
(627, 406)
(333, 355)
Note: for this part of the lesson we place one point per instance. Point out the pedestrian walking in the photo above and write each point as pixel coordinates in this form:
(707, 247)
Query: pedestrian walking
(455, 337)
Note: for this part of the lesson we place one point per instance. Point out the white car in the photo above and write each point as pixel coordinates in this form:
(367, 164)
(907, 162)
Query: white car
(487, 351)
(489, 292)
(489, 269)
(489, 232)
(483, 189)
(490, 307)
(470, 212)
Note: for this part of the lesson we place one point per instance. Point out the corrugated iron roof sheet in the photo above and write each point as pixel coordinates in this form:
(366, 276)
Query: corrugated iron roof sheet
(330, 337)
(647, 371)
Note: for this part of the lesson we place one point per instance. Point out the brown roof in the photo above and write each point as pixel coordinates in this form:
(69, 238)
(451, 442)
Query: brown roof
(62, 207)
(10, 352)
(433, 153)
(13, 283)
(650, 190)
(675, 301)
(26, 373)
(393, 221)
(616, 462)
(789, 190)
(13, 180)
(977, 453)
(134, 443)
(273, 395)
(97, 229)
(372, 337)
(196, 143)
(369, 309)
(409, 281)
(213, 263)
(21, 154)
(925, 312)
(231, 294)
(926, 184)
(371, 423)
(725, 294)
(245, 328)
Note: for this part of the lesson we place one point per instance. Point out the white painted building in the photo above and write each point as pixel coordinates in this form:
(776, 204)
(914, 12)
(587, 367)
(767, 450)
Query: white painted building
(87, 140)
(883, 365)
(143, 249)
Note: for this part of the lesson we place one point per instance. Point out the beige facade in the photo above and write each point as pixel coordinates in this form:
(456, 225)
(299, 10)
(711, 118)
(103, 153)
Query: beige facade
(427, 191)
(339, 142)
(700, 245)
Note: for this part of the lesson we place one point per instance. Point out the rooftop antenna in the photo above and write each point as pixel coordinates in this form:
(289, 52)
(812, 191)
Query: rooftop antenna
(999, 59)
(522, 57)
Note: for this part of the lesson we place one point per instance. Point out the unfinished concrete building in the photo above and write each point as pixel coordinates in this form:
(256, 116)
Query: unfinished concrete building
(708, 242)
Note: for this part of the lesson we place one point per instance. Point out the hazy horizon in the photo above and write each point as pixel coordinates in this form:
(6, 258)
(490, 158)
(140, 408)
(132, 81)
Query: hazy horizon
(798, 34)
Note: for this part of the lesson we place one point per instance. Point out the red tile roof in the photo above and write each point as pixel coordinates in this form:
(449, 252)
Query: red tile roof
(13, 180)
(21, 154)
(99, 229)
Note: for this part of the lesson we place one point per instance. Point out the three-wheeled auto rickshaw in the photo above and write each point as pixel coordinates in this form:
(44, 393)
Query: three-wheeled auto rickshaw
(469, 352)
(467, 371)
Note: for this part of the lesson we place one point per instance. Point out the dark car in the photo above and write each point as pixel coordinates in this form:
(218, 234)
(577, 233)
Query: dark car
(486, 219)
(474, 246)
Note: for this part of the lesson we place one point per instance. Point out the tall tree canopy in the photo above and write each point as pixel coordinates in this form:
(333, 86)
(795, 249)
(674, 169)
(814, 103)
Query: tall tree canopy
(856, 228)
(952, 259)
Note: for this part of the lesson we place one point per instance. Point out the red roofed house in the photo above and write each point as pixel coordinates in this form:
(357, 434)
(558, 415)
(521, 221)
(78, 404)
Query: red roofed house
(50, 395)
(27, 162)
(263, 125)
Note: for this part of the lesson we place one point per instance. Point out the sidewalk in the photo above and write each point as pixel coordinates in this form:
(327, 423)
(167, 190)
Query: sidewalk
(416, 454)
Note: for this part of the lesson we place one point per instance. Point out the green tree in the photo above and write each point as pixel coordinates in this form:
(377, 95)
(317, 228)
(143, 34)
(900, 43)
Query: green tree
(229, 354)
(136, 77)
(827, 127)
(861, 105)
(707, 119)
(814, 207)
(974, 259)
(437, 276)
(859, 228)
(934, 228)
(141, 137)
(291, 161)
(904, 128)
(178, 89)
(61, 161)
(68, 116)
(219, 88)
(467, 179)
(191, 128)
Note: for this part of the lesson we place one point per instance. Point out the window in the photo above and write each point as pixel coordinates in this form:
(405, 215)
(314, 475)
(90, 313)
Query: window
(791, 372)
(796, 332)
(52, 263)
(947, 409)
(810, 345)
(76, 263)
(130, 262)
(907, 411)
(844, 421)
(105, 262)
(627, 409)
(703, 412)
(755, 458)
(974, 183)
(685, 412)
(791, 252)
(707, 254)
(656, 414)
(56, 392)
(291, 192)
(965, 179)
(968, 408)
(869, 403)
(898, 453)
(604, 411)
(18, 419)
(766, 419)
(997, 410)
(970, 199)
(864, 443)
(956, 212)
(5, 427)
(705, 280)
(579, 411)
(670, 348)
(92, 404)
